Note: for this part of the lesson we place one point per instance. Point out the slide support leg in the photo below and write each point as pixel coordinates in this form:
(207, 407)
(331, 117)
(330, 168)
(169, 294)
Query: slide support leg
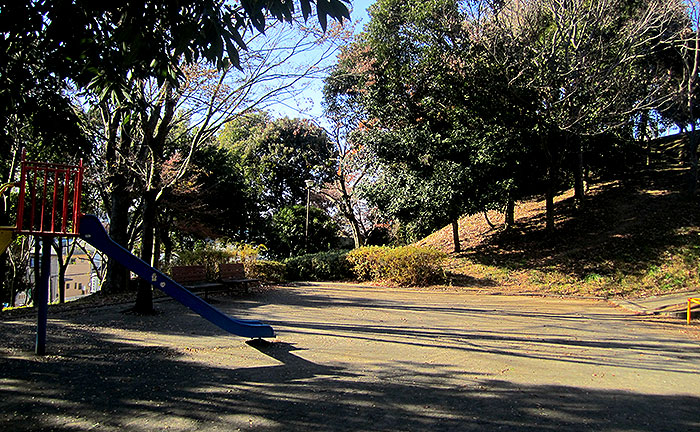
(42, 296)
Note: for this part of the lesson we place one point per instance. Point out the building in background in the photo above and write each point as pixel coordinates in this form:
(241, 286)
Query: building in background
(82, 273)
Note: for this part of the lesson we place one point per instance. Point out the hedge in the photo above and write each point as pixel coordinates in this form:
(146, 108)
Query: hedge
(269, 272)
(404, 266)
(321, 266)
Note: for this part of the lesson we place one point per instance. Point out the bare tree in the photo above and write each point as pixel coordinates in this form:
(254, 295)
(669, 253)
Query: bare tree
(96, 258)
(64, 252)
(18, 258)
(351, 170)
(683, 72)
(163, 120)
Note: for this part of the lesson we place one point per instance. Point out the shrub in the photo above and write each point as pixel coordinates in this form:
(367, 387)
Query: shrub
(404, 266)
(207, 256)
(321, 266)
(368, 262)
(213, 255)
(267, 271)
(244, 252)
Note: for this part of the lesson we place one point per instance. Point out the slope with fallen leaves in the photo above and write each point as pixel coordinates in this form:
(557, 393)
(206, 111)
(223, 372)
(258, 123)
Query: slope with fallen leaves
(633, 237)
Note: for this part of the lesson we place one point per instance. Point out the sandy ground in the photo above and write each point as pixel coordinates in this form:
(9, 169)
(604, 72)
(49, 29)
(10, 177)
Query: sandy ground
(356, 358)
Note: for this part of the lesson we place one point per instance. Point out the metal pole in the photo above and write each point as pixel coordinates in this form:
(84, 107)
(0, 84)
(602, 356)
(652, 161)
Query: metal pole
(306, 229)
(309, 185)
(42, 295)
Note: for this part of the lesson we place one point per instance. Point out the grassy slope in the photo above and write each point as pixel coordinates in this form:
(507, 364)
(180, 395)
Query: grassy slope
(636, 237)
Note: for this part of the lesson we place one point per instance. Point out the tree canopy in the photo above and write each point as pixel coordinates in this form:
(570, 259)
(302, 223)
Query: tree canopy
(497, 101)
(127, 61)
(50, 47)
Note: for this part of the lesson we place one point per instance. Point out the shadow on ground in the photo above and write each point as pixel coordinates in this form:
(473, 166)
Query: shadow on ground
(624, 228)
(97, 380)
(147, 388)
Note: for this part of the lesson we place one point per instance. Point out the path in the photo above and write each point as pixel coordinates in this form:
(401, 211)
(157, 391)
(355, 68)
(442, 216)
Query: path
(353, 358)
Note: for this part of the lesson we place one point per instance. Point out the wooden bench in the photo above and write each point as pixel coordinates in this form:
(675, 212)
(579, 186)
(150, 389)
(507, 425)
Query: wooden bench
(233, 275)
(193, 277)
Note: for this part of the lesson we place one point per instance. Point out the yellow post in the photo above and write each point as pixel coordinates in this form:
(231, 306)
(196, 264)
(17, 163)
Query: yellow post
(6, 187)
(690, 301)
(6, 232)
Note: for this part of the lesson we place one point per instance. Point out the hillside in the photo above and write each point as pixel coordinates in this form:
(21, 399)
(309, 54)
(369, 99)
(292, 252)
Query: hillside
(637, 236)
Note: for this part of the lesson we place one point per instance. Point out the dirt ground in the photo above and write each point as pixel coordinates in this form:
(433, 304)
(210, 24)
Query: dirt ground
(355, 358)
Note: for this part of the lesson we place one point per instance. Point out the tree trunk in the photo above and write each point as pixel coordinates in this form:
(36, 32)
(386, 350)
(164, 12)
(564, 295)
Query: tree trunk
(549, 201)
(644, 136)
(155, 131)
(488, 221)
(144, 296)
(355, 227)
(117, 276)
(58, 247)
(4, 220)
(455, 235)
(347, 211)
(167, 243)
(510, 213)
(356, 233)
(62, 288)
(693, 141)
(579, 185)
(345, 205)
(693, 159)
(62, 259)
(11, 289)
(5, 280)
(157, 245)
(546, 142)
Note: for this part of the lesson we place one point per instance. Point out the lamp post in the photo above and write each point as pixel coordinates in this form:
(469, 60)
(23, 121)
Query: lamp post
(309, 185)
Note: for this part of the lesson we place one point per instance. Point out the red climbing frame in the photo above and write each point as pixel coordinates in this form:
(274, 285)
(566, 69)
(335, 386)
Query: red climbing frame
(48, 207)
(49, 199)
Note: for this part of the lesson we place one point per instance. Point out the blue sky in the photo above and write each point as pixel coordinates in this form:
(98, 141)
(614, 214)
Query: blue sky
(360, 10)
(309, 105)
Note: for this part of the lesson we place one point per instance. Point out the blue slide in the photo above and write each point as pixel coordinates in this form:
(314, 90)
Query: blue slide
(92, 231)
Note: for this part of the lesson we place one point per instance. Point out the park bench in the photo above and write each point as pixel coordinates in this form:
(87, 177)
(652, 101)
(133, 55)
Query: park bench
(232, 275)
(193, 277)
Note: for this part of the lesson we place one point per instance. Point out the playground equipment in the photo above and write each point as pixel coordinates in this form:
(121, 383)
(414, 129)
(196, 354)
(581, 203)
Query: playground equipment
(92, 231)
(49, 206)
(6, 232)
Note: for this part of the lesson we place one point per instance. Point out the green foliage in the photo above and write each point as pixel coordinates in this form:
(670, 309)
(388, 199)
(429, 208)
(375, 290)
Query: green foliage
(421, 203)
(404, 266)
(243, 129)
(444, 127)
(245, 252)
(51, 48)
(467, 111)
(269, 272)
(288, 231)
(321, 266)
(207, 255)
(100, 46)
(14, 282)
(195, 204)
(367, 262)
(212, 255)
(380, 235)
(278, 157)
